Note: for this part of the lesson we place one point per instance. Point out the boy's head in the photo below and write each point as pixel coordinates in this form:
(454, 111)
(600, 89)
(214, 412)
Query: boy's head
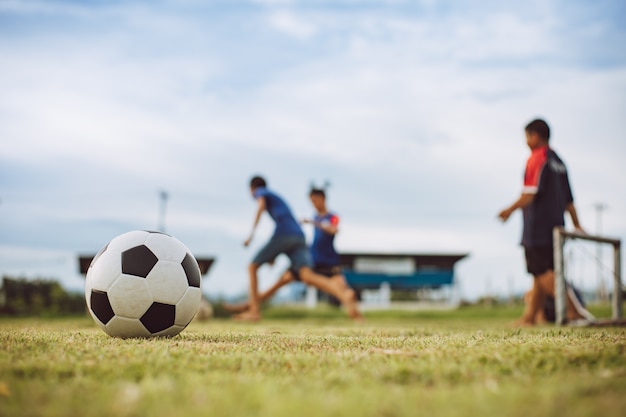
(537, 133)
(318, 198)
(257, 182)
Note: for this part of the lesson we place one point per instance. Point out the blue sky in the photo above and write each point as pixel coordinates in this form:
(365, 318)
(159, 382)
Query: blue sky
(413, 110)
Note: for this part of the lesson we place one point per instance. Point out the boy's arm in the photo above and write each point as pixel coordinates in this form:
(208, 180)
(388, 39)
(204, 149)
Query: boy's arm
(571, 209)
(524, 200)
(328, 227)
(259, 211)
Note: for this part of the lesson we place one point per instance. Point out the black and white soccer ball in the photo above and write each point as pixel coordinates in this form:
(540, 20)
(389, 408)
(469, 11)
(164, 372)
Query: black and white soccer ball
(143, 284)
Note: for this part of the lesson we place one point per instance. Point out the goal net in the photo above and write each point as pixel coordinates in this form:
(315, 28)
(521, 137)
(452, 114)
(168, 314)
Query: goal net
(588, 265)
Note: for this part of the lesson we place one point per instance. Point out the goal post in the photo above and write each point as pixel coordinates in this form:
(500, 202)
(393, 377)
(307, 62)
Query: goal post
(560, 286)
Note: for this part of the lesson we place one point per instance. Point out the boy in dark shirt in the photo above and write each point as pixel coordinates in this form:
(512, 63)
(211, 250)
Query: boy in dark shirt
(545, 197)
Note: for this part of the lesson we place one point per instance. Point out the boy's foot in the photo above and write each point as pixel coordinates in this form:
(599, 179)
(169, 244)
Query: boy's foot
(235, 308)
(351, 305)
(523, 323)
(248, 316)
(540, 318)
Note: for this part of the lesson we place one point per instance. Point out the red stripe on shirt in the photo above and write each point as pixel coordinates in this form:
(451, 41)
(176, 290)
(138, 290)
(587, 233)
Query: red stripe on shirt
(534, 166)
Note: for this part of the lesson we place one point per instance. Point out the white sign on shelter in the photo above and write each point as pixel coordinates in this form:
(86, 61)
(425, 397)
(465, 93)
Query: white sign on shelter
(388, 266)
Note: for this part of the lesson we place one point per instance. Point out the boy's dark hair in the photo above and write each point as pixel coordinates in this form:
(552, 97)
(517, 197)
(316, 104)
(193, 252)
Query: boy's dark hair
(257, 182)
(317, 191)
(539, 127)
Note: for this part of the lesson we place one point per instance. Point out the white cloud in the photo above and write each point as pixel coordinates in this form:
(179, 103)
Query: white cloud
(289, 23)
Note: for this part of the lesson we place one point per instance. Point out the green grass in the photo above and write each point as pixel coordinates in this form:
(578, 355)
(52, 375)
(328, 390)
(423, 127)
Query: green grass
(467, 362)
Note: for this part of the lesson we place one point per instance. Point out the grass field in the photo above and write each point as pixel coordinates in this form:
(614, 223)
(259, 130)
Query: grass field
(467, 362)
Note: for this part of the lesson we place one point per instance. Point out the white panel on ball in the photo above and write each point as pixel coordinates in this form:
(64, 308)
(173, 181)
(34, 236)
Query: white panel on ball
(163, 247)
(167, 282)
(108, 270)
(187, 307)
(130, 296)
(124, 327)
(128, 240)
(172, 331)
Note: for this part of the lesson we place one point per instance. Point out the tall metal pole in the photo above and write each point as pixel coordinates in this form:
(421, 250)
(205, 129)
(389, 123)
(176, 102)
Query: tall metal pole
(164, 196)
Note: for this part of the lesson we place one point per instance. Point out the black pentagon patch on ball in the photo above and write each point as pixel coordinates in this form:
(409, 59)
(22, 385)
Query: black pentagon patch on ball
(138, 261)
(101, 306)
(190, 265)
(158, 317)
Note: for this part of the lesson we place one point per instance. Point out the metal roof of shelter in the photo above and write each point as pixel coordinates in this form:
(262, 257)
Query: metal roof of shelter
(421, 260)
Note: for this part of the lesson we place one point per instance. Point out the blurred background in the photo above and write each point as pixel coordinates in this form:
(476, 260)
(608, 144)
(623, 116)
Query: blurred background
(126, 115)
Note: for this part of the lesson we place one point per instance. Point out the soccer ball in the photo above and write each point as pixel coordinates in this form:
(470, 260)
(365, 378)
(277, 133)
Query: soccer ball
(143, 284)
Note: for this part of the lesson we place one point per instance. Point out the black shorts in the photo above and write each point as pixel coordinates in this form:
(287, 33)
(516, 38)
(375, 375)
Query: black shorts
(327, 271)
(539, 260)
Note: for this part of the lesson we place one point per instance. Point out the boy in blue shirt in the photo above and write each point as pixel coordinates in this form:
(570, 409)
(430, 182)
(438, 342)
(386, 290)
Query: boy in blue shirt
(326, 225)
(287, 239)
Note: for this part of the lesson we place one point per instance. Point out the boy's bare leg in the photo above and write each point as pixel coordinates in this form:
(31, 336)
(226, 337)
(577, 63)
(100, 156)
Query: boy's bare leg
(254, 311)
(284, 279)
(540, 316)
(340, 281)
(547, 284)
(345, 295)
(543, 285)
(534, 301)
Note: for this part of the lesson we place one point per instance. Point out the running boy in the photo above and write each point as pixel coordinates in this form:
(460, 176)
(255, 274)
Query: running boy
(545, 197)
(287, 239)
(326, 224)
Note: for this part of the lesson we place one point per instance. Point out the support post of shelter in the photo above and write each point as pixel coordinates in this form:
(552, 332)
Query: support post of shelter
(311, 297)
(385, 295)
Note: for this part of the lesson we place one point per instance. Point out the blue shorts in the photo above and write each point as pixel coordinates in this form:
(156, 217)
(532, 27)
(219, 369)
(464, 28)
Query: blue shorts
(293, 246)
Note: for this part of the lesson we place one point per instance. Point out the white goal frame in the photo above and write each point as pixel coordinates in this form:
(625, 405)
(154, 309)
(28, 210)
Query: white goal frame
(560, 288)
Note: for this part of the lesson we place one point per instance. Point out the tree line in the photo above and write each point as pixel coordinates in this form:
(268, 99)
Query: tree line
(40, 297)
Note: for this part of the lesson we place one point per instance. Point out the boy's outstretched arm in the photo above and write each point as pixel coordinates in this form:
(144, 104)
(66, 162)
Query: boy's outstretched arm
(524, 200)
(571, 209)
(260, 209)
(329, 228)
